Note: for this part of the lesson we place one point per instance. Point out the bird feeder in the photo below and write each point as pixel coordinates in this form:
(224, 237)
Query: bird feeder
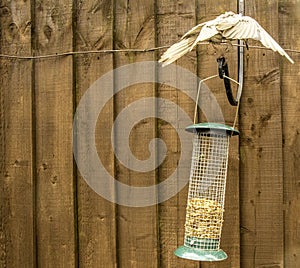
(207, 183)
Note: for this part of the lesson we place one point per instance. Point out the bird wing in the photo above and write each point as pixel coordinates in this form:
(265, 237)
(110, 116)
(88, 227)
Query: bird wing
(248, 28)
(201, 32)
(227, 22)
(216, 27)
(207, 32)
(177, 50)
(182, 47)
(230, 26)
(194, 31)
(269, 42)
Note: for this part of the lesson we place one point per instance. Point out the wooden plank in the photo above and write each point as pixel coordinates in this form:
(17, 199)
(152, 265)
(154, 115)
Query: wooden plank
(137, 231)
(56, 233)
(289, 23)
(207, 66)
(96, 216)
(261, 150)
(17, 245)
(173, 20)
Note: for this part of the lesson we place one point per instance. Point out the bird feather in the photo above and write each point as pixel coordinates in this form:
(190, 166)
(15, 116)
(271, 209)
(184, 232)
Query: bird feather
(177, 51)
(228, 26)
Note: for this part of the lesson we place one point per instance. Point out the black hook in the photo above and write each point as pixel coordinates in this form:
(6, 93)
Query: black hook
(223, 74)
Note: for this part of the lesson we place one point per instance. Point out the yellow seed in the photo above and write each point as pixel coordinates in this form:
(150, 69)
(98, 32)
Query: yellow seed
(204, 218)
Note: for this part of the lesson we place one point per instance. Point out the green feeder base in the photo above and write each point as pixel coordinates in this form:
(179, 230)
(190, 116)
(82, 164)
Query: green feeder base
(200, 255)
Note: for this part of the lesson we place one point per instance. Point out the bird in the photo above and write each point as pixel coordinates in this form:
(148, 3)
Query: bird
(226, 27)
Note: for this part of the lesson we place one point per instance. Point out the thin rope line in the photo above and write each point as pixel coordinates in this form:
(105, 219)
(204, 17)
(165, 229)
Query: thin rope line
(266, 48)
(70, 53)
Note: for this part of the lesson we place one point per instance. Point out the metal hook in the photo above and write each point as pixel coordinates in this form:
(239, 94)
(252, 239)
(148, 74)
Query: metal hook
(224, 73)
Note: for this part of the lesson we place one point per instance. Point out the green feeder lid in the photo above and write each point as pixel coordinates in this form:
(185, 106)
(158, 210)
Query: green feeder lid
(212, 127)
(200, 255)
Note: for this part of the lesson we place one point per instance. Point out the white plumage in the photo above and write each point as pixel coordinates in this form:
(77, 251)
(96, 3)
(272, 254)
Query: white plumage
(228, 26)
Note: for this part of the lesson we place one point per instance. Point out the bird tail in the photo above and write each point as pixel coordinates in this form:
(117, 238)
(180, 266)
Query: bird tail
(177, 50)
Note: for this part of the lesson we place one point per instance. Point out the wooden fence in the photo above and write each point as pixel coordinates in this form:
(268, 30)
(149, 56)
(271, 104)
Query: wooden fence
(50, 216)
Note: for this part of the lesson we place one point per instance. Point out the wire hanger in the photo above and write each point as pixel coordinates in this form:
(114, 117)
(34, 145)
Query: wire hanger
(206, 79)
(224, 74)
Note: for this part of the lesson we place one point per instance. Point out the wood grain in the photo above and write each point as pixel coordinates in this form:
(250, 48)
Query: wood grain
(54, 109)
(96, 216)
(50, 217)
(289, 21)
(137, 231)
(261, 151)
(17, 245)
(207, 66)
(173, 20)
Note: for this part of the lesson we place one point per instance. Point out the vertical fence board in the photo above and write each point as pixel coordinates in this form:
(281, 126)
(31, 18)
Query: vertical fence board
(207, 66)
(17, 246)
(173, 20)
(96, 216)
(54, 108)
(289, 23)
(137, 230)
(261, 150)
(38, 214)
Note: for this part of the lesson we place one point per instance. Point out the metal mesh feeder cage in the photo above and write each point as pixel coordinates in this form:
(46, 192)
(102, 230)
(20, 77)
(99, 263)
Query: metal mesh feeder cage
(205, 204)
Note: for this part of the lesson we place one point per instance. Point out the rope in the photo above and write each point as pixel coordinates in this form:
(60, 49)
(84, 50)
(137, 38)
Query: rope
(71, 53)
